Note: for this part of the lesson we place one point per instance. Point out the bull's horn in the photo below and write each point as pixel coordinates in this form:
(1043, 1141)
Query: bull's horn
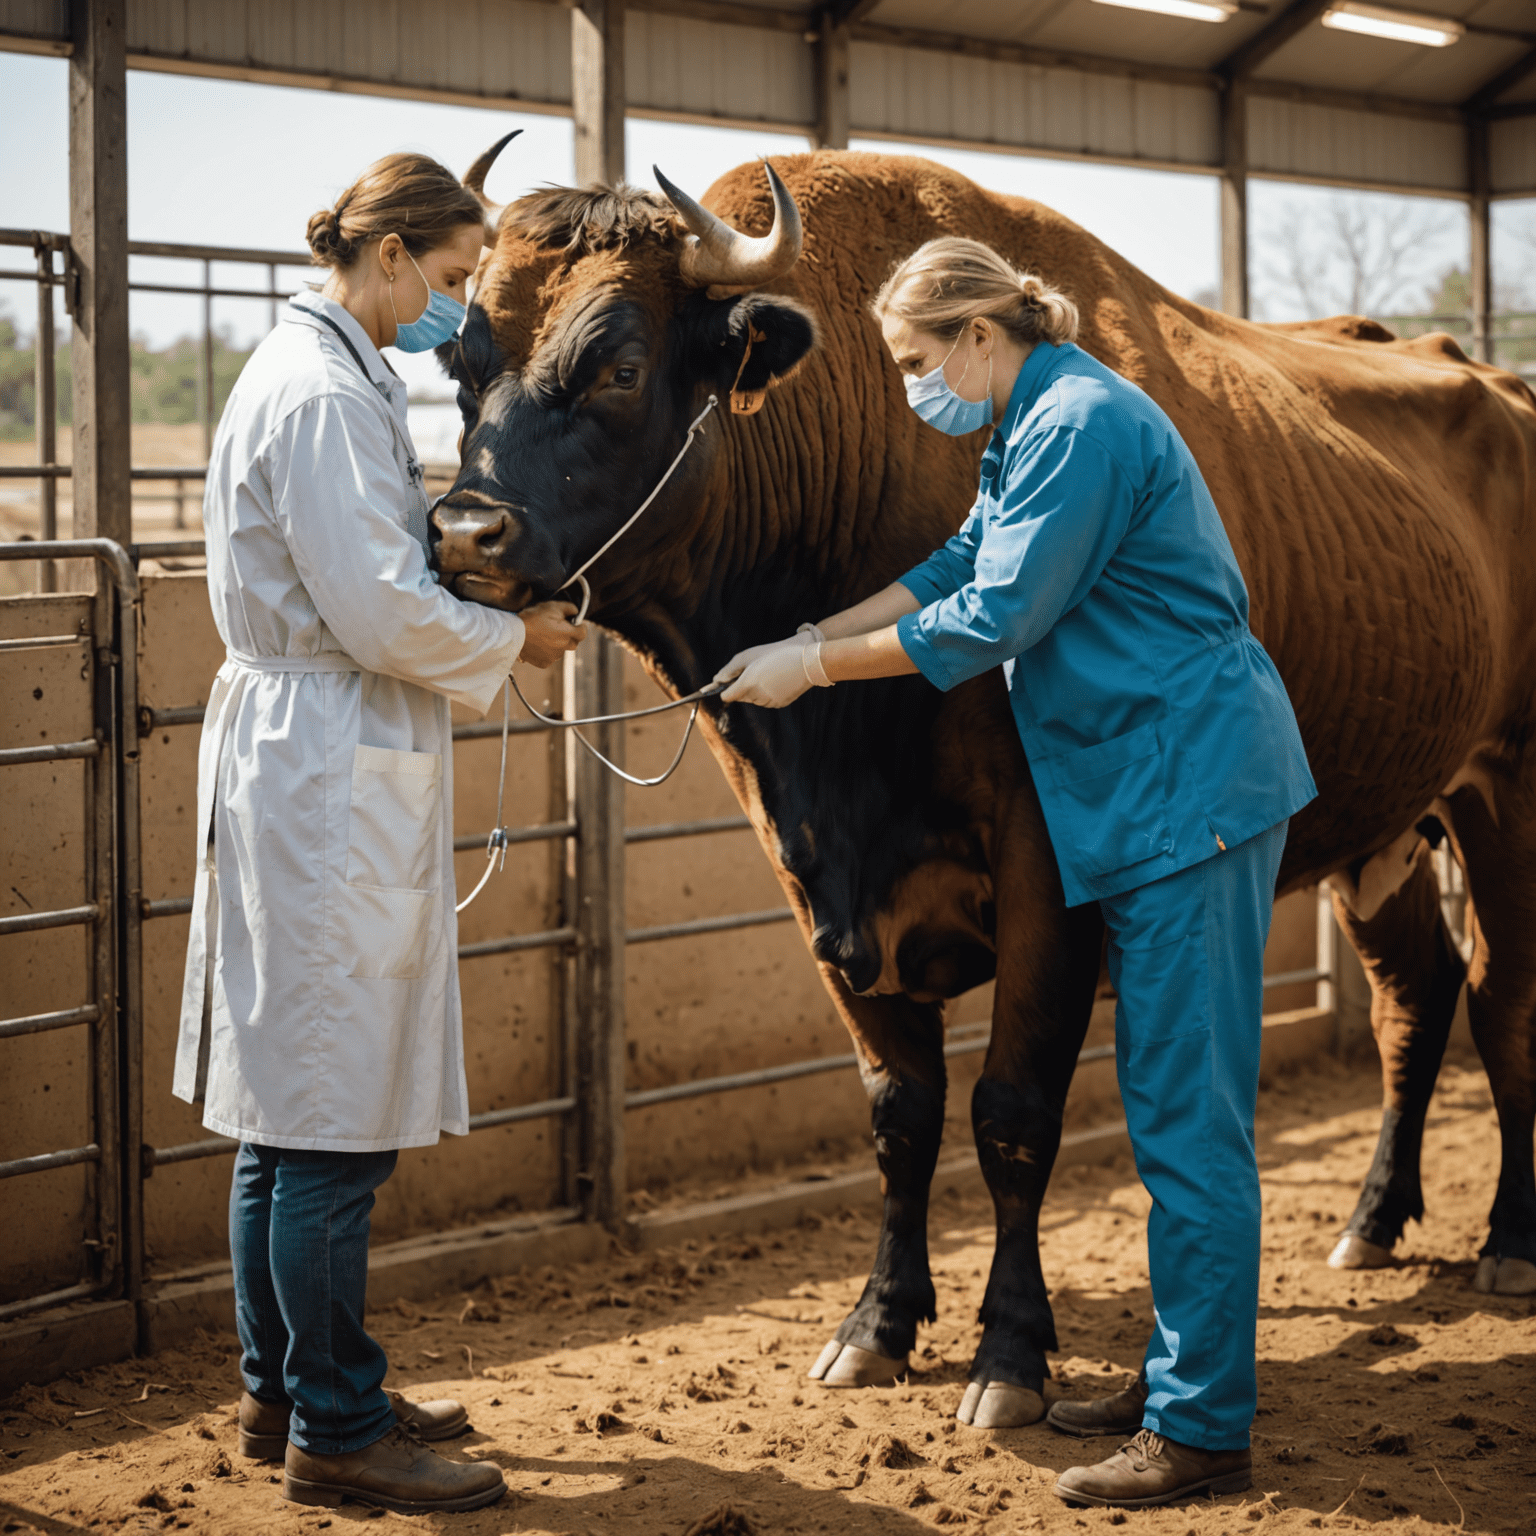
(723, 259)
(474, 179)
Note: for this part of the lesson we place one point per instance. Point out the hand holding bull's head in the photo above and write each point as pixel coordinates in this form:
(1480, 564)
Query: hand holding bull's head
(602, 320)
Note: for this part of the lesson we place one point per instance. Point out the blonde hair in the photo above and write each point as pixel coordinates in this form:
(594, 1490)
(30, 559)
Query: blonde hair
(944, 285)
(408, 195)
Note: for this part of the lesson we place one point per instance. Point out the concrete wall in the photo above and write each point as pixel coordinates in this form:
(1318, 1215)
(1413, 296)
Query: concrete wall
(696, 1007)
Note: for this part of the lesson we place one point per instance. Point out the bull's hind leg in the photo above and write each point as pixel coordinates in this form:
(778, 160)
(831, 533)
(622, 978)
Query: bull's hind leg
(1499, 856)
(1046, 975)
(901, 1054)
(1415, 975)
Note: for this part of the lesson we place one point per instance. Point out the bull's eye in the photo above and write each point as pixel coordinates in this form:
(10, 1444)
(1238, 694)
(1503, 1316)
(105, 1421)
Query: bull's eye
(626, 377)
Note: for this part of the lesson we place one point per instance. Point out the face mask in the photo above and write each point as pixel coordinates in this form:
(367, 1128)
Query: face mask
(436, 323)
(933, 400)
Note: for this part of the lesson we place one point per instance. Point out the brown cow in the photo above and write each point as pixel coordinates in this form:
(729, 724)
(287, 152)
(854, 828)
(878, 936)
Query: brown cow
(1378, 495)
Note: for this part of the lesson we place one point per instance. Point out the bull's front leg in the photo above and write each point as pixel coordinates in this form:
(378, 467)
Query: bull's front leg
(901, 1054)
(1047, 969)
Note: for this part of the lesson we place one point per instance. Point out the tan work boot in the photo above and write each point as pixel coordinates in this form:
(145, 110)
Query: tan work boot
(1150, 1469)
(1117, 1415)
(397, 1472)
(264, 1426)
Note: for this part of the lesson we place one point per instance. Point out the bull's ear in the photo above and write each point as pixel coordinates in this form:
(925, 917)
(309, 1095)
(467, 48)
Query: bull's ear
(774, 335)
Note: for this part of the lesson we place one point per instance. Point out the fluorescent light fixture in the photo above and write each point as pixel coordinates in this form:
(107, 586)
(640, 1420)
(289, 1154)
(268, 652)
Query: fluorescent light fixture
(1187, 10)
(1396, 26)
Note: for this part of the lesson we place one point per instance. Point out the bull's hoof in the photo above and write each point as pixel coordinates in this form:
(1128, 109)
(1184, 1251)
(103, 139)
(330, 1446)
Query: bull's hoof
(1001, 1405)
(1505, 1277)
(1355, 1252)
(846, 1365)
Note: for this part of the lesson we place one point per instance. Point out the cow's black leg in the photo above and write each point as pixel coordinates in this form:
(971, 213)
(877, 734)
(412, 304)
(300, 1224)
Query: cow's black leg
(1043, 1002)
(901, 1050)
(1499, 857)
(1416, 977)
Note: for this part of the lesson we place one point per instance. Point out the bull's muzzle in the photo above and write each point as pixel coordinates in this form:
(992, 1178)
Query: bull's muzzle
(473, 551)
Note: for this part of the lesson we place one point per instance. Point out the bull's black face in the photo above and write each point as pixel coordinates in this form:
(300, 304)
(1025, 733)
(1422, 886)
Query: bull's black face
(559, 453)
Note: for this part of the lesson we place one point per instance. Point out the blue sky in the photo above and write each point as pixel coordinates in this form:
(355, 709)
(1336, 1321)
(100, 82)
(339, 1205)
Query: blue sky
(230, 163)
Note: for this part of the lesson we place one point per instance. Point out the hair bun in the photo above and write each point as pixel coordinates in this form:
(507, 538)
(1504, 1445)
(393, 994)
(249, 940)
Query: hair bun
(329, 245)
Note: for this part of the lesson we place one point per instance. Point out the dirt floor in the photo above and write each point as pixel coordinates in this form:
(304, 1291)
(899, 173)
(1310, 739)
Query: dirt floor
(666, 1393)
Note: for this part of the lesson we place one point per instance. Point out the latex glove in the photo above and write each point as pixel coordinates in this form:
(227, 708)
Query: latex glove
(775, 678)
(744, 659)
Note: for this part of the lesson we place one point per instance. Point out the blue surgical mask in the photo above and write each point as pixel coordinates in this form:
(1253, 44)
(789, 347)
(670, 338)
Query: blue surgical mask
(933, 400)
(437, 322)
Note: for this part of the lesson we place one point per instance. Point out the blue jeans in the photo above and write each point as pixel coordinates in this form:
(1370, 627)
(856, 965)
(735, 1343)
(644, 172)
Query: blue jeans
(298, 1235)
(1186, 955)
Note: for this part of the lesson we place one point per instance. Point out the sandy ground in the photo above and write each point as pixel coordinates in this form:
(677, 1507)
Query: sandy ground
(666, 1393)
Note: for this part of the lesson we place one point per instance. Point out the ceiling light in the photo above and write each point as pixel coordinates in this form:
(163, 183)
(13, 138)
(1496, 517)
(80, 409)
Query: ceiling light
(1397, 26)
(1187, 10)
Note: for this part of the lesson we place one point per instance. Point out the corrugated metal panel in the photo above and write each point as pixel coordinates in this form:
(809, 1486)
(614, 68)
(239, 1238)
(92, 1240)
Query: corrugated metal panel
(911, 94)
(693, 68)
(1512, 150)
(35, 18)
(1287, 138)
(495, 48)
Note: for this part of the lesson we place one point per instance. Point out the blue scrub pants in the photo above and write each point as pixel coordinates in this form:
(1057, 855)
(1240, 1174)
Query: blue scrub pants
(1186, 955)
(298, 1235)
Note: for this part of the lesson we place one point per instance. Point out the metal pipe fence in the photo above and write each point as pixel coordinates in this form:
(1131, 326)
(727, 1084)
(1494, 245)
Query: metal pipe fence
(54, 268)
(109, 867)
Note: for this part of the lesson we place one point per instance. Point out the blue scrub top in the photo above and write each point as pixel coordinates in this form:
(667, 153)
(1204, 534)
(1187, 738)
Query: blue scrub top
(1095, 570)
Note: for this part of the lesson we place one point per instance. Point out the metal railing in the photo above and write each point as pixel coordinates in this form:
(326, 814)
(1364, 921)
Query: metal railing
(110, 868)
(53, 268)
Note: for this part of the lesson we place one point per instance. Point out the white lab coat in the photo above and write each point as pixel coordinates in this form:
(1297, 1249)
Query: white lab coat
(329, 1016)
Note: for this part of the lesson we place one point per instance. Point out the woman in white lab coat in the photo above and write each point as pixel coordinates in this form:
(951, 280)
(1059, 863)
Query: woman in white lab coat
(320, 1020)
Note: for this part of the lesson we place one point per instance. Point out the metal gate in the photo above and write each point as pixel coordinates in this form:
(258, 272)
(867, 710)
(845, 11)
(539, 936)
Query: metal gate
(104, 632)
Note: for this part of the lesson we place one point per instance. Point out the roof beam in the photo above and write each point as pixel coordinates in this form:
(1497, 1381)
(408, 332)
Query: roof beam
(1506, 79)
(1295, 18)
(842, 13)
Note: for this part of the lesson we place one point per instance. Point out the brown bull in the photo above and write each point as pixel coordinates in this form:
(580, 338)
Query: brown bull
(1378, 495)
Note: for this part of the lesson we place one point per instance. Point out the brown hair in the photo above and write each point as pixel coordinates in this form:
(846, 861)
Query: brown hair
(944, 285)
(407, 195)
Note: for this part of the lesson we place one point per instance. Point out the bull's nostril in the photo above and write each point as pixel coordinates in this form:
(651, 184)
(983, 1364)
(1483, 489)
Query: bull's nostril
(489, 537)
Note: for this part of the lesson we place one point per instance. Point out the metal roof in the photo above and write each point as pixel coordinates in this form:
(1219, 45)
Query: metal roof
(1074, 78)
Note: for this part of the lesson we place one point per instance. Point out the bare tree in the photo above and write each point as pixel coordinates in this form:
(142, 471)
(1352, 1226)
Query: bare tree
(1351, 255)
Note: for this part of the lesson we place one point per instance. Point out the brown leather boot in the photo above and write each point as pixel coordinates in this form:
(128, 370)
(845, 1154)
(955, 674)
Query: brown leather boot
(1117, 1415)
(264, 1426)
(1150, 1469)
(397, 1472)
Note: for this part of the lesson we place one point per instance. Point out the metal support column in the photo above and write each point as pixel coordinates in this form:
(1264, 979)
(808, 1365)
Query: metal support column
(597, 105)
(1480, 209)
(597, 90)
(831, 84)
(1234, 199)
(600, 926)
(46, 412)
(98, 233)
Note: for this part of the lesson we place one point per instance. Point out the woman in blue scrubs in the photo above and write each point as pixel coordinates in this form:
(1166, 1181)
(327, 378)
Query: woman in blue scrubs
(1095, 569)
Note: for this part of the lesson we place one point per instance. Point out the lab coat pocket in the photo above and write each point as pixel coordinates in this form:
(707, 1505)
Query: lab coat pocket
(1112, 796)
(393, 832)
(392, 827)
